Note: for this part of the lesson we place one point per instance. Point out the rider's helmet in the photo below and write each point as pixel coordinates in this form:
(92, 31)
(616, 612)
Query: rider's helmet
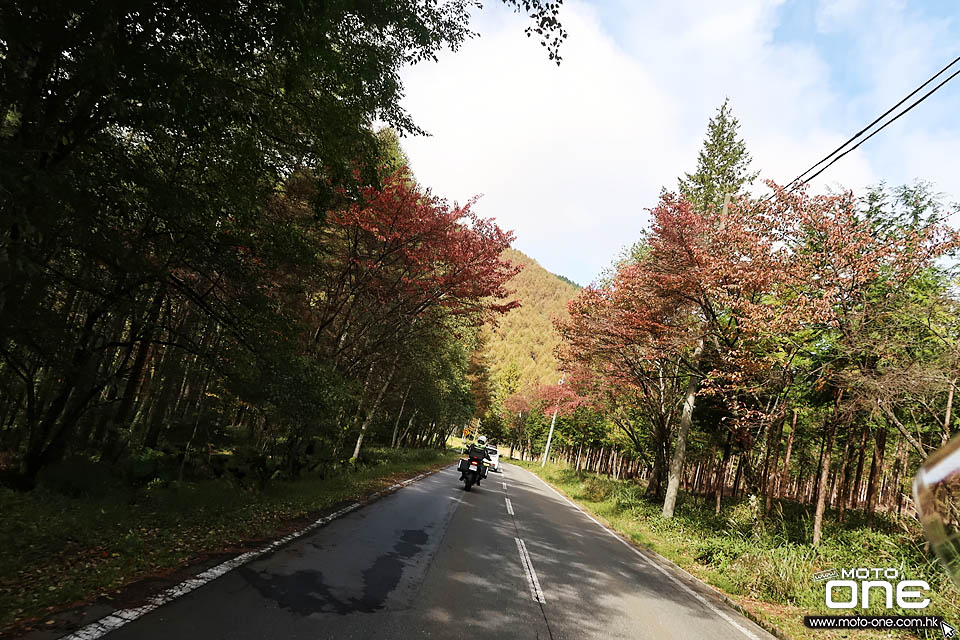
(482, 440)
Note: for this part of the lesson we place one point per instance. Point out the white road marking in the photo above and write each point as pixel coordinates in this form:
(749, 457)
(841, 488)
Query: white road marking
(674, 579)
(504, 485)
(509, 506)
(528, 569)
(117, 619)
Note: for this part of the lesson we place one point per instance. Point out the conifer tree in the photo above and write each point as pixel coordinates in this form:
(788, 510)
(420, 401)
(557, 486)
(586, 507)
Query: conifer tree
(722, 169)
(722, 166)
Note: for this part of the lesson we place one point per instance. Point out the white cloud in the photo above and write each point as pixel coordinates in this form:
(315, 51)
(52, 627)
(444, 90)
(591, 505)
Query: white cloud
(570, 157)
(833, 15)
(567, 156)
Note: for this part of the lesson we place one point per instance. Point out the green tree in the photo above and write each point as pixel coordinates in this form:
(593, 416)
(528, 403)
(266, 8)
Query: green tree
(393, 157)
(169, 179)
(520, 349)
(722, 166)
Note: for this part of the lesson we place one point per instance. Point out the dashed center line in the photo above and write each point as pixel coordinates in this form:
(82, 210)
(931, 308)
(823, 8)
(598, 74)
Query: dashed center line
(535, 591)
(504, 485)
(509, 506)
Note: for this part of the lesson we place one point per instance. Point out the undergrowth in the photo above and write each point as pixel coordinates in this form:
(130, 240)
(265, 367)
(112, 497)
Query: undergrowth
(60, 544)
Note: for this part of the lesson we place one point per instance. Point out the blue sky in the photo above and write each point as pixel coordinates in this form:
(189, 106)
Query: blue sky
(856, 62)
(571, 157)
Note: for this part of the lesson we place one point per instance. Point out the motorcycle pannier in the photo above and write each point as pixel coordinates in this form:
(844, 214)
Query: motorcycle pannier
(463, 465)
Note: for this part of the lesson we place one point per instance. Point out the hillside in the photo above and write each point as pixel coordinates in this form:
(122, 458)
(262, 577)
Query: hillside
(519, 351)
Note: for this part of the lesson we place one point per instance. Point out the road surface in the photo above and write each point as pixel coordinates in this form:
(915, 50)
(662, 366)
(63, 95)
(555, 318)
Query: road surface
(510, 559)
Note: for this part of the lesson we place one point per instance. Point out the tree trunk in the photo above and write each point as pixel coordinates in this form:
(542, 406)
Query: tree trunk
(769, 472)
(948, 413)
(170, 381)
(815, 486)
(721, 474)
(363, 393)
(196, 423)
(857, 483)
(406, 431)
(393, 440)
(784, 476)
(844, 483)
(739, 475)
(373, 409)
(879, 445)
(121, 420)
(825, 468)
(655, 485)
(913, 442)
(898, 478)
(679, 451)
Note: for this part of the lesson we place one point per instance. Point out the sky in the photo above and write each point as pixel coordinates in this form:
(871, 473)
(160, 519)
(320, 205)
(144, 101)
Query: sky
(571, 157)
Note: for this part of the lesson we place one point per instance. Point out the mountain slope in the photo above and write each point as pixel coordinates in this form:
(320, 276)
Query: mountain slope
(519, 352)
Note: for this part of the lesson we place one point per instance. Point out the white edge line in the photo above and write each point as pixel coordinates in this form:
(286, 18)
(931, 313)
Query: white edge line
(509, 506)
(710, 605)
(535, 591)
(118, 618)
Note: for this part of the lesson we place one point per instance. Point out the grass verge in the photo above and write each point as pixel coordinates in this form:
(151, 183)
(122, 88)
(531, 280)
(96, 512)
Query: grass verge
(765, 564)
(58, 552)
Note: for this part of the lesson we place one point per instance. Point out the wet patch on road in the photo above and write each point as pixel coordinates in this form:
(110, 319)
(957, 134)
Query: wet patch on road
(304, 592)
(384, 576)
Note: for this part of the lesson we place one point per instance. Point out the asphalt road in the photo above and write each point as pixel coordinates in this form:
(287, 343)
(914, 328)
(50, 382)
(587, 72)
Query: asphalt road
(433, 561)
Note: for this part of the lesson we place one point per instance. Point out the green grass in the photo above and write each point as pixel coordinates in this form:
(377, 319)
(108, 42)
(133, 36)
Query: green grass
(764, 563)
(57, 550)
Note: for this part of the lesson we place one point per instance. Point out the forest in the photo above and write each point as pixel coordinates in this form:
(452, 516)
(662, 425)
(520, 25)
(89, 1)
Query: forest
(215, 259)
(793, 346)
(519, 351)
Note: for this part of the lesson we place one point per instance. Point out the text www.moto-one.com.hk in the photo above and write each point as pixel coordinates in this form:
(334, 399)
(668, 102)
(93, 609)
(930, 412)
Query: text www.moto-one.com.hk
(872, 622)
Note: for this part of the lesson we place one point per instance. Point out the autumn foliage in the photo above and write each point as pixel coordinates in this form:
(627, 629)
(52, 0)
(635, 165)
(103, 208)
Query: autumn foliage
(763, 286)
(329, 306)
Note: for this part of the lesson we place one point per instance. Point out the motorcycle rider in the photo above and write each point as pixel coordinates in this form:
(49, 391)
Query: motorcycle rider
(478, 450)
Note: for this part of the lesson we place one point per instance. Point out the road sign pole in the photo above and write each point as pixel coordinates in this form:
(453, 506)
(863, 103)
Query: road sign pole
(553, 421)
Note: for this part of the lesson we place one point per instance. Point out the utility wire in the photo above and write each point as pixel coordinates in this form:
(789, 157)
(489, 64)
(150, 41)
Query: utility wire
(888, 123)
(796, 182)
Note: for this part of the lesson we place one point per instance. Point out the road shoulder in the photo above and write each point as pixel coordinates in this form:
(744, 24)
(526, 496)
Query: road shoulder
(716, 600)
(150, 592)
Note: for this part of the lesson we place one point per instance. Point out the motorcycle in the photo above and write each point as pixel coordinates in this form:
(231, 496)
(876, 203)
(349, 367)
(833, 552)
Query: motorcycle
(471, 469)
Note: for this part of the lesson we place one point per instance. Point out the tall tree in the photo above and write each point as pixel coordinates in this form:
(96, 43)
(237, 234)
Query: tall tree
(144, 151)
(723, 166)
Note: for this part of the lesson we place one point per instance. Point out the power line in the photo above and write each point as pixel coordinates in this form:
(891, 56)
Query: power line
(888, 123)
(800, 178)
(878, 119)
